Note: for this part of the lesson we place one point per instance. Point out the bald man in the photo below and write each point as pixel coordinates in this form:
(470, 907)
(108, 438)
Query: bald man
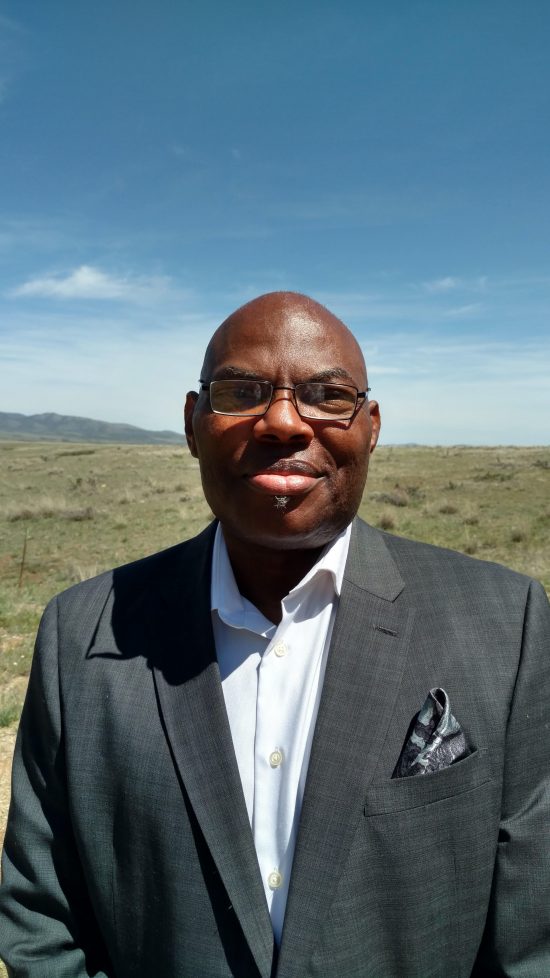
(294, 746)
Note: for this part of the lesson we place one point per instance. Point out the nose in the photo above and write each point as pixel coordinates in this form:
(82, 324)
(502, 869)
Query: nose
(281, 422)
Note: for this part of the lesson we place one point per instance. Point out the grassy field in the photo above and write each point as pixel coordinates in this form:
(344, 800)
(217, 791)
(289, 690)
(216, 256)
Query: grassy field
(69, 511)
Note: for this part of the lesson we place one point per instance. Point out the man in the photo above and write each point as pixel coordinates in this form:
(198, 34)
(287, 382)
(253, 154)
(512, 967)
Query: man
(216, 773)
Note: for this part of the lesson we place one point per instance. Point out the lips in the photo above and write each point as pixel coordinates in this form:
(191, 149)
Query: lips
(285, 477)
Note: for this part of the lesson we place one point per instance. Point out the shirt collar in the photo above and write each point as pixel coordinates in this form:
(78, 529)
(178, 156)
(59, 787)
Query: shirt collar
(237, 611)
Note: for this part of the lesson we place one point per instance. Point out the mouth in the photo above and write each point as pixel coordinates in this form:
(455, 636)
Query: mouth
(285, 477)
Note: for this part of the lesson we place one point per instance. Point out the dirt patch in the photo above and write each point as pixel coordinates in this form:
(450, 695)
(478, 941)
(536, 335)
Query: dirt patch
(7, 743)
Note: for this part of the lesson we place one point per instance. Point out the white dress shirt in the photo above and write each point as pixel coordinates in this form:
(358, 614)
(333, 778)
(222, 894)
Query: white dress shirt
(272, 676)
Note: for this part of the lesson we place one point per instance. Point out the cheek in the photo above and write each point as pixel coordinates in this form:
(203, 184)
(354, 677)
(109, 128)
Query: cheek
(351, 475)
(351, 453)
(221, 438)
(208, 442)
(219, 449)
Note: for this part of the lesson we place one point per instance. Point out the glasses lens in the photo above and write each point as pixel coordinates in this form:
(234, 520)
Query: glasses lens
(239, 396)
(325, 400)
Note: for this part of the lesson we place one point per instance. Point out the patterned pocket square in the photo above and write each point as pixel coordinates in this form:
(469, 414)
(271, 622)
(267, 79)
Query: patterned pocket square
(434, 739)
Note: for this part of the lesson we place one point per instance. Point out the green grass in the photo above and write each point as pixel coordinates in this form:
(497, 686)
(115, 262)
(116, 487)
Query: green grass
(86, 508)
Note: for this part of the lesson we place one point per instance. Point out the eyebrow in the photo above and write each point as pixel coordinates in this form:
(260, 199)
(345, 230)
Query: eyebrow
(239, 373)
(333, 373)
(322, 377)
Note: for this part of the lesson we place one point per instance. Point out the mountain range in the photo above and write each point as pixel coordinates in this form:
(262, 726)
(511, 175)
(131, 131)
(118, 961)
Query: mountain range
(65, 427)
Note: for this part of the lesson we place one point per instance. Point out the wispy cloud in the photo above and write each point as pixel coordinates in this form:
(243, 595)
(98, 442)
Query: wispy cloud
(445, 284)
(459, 312)
(88, 282)
(375, 308)
(23, 239)
(451, 283)
(453, 391)
(372, 207)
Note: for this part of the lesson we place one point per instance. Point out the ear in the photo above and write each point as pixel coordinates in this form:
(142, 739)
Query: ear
(375, 421)
(190, 403)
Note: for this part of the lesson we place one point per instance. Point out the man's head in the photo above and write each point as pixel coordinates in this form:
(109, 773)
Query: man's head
(281, 480)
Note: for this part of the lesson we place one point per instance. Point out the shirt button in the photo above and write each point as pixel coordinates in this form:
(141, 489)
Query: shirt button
(274, 879)
(280, 649)
(276, 757)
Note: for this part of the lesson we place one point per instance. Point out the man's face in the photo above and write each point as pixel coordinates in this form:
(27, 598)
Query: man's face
(281, 481)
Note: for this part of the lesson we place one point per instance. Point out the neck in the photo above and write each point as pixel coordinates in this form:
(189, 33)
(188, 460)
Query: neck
(266, 576)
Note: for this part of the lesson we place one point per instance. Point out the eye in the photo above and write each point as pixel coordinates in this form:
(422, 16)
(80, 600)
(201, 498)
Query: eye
(236, 396)
(247, 392)
(329, 397)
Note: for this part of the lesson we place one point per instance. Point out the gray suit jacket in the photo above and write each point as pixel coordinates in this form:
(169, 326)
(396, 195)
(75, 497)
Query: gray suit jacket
(129, 852)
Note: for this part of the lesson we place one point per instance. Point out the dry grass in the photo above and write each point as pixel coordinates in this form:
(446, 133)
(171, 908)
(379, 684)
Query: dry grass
(489, 502)
(45, 508)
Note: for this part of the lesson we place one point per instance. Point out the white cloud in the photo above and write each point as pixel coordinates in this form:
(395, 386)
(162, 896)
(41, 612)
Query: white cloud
(88, 282)
(468, 310)
(450, 283)
(445, 284)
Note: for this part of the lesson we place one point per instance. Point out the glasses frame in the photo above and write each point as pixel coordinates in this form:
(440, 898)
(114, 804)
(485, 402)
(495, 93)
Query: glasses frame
(359, 395)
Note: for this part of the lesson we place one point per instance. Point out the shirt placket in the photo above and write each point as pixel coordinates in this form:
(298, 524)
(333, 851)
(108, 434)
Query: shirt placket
(270, 757)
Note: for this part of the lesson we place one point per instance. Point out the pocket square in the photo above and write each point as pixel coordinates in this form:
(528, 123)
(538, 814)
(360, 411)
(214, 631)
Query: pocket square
(434, 739)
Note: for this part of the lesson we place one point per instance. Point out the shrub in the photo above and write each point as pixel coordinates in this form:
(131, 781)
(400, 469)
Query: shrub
(448, 509)
(386, 522)
(85, 513)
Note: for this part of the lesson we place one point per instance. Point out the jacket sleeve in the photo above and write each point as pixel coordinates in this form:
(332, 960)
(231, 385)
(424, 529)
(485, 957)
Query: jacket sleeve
(47, 923)
(516, 942)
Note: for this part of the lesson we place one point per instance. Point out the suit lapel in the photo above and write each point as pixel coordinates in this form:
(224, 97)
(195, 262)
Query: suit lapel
(363, 674)
(195, 719)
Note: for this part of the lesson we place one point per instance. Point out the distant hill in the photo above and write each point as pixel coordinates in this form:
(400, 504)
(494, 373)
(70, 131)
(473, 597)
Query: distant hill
(64, 427)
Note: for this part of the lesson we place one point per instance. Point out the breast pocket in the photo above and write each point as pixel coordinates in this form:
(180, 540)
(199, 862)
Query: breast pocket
(406, 794)
(426, 848)
(440, 823)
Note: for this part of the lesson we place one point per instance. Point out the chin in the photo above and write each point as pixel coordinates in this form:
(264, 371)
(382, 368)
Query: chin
(284, 533)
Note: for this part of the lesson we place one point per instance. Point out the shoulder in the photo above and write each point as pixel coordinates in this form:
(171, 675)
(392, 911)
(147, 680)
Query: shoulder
(438, 574)
(138, 578)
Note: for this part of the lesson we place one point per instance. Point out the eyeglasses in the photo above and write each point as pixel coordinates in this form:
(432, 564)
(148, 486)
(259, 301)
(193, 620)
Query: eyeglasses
(252, 398)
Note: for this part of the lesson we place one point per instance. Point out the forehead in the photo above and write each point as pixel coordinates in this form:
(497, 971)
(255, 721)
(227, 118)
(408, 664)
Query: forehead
(290, 342)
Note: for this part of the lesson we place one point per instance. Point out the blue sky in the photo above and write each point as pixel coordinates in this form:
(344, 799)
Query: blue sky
(162, 163)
